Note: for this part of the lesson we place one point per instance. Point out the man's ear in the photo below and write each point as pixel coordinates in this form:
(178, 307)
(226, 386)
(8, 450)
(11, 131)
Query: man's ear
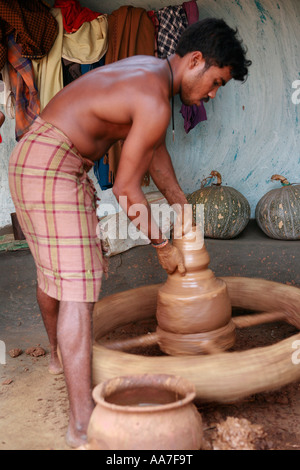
(196, 59)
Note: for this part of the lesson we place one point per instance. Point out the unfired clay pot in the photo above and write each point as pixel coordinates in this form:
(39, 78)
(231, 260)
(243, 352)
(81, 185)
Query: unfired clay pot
(194, 311)
(145, 412)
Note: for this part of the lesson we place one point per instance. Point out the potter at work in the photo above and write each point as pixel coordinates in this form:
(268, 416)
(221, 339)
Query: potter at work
(55, 201)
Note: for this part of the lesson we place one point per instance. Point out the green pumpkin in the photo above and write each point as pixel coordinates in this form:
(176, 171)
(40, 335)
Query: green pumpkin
(278, 212)
(226, 210)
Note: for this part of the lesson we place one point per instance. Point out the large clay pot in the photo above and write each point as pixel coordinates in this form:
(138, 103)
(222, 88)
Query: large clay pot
(145, 412)
(194, 311)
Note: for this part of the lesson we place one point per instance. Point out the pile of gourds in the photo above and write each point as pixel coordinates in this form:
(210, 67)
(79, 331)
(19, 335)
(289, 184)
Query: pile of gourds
(224, 212)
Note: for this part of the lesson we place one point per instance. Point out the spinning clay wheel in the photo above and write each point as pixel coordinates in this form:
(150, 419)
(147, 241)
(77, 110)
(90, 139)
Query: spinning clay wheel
(195, 329)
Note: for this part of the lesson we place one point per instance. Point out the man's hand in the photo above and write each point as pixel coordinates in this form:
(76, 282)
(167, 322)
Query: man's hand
(171, 258)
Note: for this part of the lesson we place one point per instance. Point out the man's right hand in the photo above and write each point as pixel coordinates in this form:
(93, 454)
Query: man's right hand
(171, 258)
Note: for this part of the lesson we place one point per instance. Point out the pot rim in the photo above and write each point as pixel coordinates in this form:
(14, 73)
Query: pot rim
(193, 241)
(140, 380)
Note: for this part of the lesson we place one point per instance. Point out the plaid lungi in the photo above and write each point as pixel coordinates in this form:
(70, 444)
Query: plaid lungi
(55, 202)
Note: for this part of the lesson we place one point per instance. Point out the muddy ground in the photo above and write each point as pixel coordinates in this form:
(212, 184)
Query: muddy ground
(34, 404)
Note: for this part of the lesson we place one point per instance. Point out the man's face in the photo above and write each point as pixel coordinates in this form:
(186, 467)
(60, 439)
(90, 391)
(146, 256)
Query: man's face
(201, 83)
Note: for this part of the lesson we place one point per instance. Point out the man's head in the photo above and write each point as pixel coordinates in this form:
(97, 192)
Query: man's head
(218, 44)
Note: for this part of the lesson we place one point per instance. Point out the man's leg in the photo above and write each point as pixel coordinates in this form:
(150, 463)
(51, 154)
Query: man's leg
(49, 308)
(74, 333)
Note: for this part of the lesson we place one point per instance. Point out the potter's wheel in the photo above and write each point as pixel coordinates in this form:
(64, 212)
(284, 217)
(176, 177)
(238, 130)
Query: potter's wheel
(221, 377)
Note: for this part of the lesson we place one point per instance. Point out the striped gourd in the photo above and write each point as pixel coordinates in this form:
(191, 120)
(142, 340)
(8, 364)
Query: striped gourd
(278, 212)
(226, 210)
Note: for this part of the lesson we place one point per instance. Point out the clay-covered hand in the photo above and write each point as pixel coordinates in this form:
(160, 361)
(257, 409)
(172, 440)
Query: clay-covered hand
(171, 259)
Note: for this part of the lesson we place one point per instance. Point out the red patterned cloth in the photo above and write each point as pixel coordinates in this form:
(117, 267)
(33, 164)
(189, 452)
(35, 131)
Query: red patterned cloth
(74, 15)
(55, 203)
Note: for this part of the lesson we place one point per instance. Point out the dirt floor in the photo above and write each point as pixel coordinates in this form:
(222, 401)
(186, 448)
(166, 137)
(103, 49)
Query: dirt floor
(34, 404)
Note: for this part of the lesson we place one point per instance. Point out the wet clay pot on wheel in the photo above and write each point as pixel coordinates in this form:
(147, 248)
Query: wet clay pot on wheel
(194, 311)
(145, 412)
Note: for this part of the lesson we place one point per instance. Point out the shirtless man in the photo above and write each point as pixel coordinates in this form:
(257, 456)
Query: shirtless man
(130, 101)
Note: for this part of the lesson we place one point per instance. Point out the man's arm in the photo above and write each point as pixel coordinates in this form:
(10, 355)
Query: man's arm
(162, 172)
(146, 133)
(137, 153)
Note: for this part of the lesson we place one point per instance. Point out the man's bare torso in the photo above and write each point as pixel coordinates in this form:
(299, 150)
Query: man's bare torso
(101, 107)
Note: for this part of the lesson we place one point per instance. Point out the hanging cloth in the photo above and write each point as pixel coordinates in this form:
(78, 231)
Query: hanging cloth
(191, 11)
(26, 97)
(89, 43)
(101, 171)
(48, 71)
(85, 68)
(172, 23)
(131, 32)
(71, 71)
(74, 15)
(33, 26)
(192, 116)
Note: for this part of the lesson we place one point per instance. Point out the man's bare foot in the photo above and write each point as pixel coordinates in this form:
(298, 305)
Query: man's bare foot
(76, 439)
(55, 367)
(76, 435)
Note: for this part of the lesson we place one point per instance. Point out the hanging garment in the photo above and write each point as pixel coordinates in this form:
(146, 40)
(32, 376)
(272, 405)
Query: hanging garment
(71, 71)
(33, 26)
(85, 46)
(48, 71)
(88, 44)
(101, 171)
(26, 97)
(88, 67)
(172, 23)
(74, 15)
(191, 11)
(192, 114)
(131, 32)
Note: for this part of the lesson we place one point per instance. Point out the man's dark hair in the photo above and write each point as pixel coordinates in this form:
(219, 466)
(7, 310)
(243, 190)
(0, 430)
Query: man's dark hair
(218, 44)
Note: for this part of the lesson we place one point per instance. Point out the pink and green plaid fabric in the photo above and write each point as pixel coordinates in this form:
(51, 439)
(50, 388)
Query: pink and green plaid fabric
(55, 202)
